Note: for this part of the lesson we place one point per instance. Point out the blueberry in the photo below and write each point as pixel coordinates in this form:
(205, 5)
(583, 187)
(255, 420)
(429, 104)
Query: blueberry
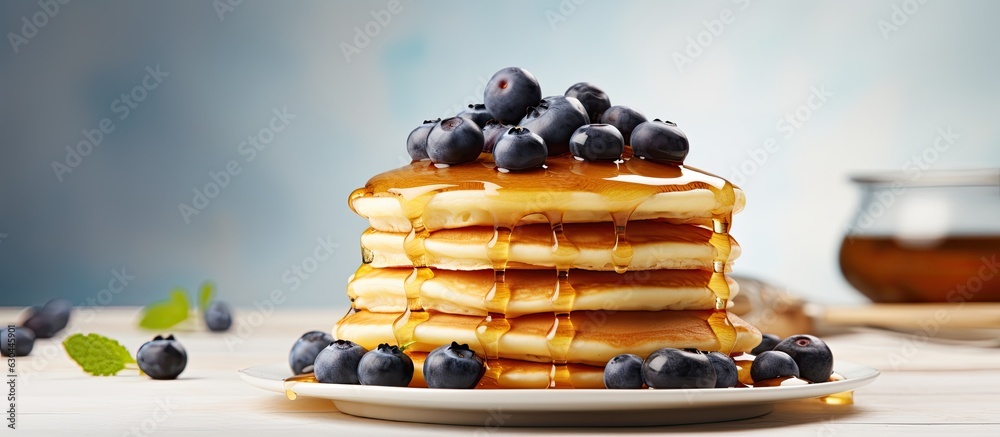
(454, 140)
(624, 119)
(162, 358)
(491, 133)
(23, 341)
(416, 143)
(519, 149)
(338, 363)
(218, 318)
(453, 366)
(767, 342)
(477, 113)
(597, 142)
(812, 355)
(623, 371)
(46, 321)
(305, 349)
(675, 368)
(726, 373)
(773, 364)
(385, 365)
(509, 94)
(659, 141)
(555, 119)
(594, 99)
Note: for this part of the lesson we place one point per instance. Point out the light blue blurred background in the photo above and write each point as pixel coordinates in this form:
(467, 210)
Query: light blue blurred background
(892, 83)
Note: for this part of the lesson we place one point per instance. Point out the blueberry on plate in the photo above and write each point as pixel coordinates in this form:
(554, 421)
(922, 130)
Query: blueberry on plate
(773, 364)
(519, 149)
(416, 142)
(218, 318)
(491, 133)
(597, 142)
(338, 363)
(594, 99)
(812, 355)
(454, 141)
(162, 358)
(767, 342)
(623, 372)
(676, 368)
(477, 113)
(659, 141)
(726, 373)
(623, 118)
(453, 366)
(509, 94)
(46, 321)
(555, 119)
(20, 344)
(305, 349)
(385, 365)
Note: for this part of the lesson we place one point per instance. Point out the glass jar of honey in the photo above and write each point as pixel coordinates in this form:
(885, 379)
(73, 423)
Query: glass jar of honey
(931, 236)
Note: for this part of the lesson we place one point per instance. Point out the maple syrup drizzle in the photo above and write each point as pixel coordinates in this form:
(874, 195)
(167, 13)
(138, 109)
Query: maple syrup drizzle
(625, 184)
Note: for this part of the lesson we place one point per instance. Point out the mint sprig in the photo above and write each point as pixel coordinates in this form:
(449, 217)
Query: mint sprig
(205, 294)
(96, 354)
(167, 313)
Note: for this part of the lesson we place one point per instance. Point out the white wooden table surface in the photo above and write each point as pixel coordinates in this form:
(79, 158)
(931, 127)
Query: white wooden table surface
(925, 388)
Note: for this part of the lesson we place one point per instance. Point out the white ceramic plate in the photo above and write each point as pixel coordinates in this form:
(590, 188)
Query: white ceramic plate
(493, 408)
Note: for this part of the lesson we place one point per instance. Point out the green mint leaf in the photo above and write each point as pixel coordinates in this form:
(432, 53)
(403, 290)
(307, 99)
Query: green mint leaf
(167, 313)
(96, 354)
(205, 296)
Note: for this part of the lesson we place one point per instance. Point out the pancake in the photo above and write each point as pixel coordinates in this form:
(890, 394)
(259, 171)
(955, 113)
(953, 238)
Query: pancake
(517, 374)
(591, 337)
(532, 291)
(475, 194)
(654, 245)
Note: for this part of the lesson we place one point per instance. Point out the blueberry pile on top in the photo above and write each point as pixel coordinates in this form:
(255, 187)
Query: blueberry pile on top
(521, 129)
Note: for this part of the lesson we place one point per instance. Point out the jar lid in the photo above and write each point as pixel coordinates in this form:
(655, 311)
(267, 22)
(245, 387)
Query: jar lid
(932, 178)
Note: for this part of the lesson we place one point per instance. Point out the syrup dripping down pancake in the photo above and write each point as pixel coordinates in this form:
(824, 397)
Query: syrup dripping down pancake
(655, 245)
(531, 291)
(597, 336)
(475, 194)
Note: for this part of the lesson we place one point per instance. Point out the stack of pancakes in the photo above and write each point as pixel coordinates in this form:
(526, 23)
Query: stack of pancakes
(550, 273)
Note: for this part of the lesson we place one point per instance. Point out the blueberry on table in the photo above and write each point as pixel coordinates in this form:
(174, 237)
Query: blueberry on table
(385, 365)
(338, 363)
(767, 342)
(162, 358)
(305, 349)
(454, 141)
(519, 149)
(597, 142)
(812, 355)
(773, 364)
(416, 142)
(477, 113)
(660, 141)
(623, 118)
(46, 321)
(726, 373)
(453, 366)
(623, 372)
(555, 119)
(491, 133)
(21, 344)
(594, 99)
(218, 317)
(509, 94)
(676, 368)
